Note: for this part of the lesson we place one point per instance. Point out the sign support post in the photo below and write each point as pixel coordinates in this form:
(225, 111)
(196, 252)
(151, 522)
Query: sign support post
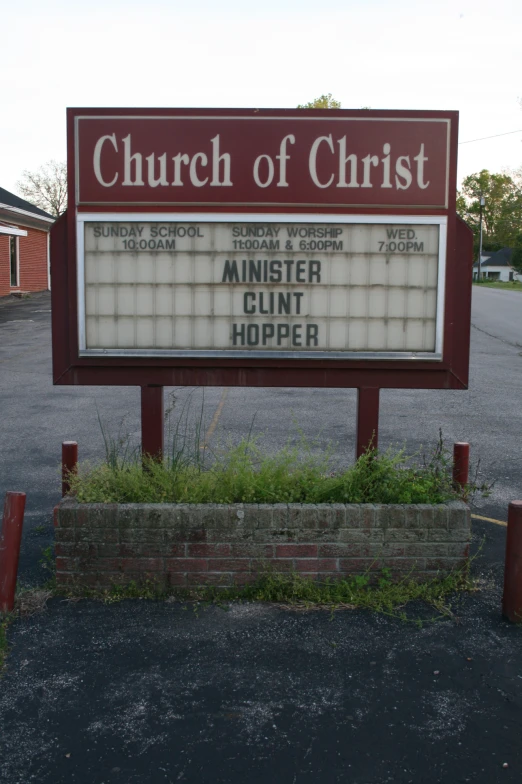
(152, 415)
(367, 420)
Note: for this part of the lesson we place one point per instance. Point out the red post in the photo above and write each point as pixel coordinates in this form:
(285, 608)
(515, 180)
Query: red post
(12, 523)
(461, 463)
(152, 415)
(512, 599)
(69, 464)
(367, 419)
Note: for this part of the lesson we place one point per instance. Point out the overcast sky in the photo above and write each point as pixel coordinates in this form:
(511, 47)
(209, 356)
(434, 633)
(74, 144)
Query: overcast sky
(385, 54)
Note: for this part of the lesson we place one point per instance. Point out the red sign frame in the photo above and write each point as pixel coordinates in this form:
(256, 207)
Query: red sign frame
(449, 373)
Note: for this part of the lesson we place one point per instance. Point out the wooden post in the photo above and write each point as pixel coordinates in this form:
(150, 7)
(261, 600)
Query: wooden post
(11, 536)
(367, 419)
(461, 463)
(152, 414)
(512, 599)
(69, 464)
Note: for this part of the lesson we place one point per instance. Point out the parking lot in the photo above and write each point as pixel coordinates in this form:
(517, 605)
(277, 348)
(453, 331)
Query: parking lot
(143, 691)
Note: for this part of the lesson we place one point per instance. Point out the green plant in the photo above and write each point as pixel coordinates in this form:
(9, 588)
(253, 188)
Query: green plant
(373, 591)
(133, 590)
(185, 435)
(118, 450)
(47, 561)
(244, 473)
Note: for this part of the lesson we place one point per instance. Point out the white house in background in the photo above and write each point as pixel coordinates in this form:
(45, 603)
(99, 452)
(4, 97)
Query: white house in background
(496, 266)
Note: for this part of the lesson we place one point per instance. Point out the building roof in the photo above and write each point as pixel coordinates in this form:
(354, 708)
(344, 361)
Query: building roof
(11, 200)
(501, 258)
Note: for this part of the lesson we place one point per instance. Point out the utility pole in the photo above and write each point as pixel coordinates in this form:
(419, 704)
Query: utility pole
(482, 203)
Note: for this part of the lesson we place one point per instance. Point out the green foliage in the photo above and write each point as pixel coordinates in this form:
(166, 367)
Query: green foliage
(48, 562)
(133, 590)
(512, 285)
(245, 474)
(502, 211)
(118, 450)
(359, 591)
(39, 529)
(323, 102)
(374, 591)
(47, 559)
(516, 258)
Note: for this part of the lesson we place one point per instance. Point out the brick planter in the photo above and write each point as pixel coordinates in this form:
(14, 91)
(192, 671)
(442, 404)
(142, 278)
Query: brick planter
(184, 545)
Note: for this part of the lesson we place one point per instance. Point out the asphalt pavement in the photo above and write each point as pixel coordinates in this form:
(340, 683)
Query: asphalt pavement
(147, 691)
(37, 416)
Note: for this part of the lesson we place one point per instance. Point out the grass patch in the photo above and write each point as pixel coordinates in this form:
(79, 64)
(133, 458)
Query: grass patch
(376, 593)
(513, 285)
(361, 592)
(246, 474)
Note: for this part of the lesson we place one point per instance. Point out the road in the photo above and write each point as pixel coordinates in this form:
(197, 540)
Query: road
(36, 417)
(498, 313)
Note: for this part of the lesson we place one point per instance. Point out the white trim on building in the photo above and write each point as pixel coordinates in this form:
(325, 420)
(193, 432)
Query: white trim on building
(13, 231)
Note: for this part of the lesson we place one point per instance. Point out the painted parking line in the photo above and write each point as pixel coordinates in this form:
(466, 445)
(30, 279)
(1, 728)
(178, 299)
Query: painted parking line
(489, 520)
(215, 418)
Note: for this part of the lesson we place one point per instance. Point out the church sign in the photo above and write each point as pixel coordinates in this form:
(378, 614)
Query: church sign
(257, 247)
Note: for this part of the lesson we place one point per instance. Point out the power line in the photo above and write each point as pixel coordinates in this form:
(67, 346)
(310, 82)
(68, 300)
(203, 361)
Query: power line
(508, 133)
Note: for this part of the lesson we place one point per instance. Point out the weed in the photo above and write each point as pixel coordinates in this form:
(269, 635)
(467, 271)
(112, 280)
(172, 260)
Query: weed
(30, 601)
(244, 473)
(133, 590)
(39, 529)
(292, 590)
(47, 561)
(186, 437)
(300, 472)
(118, 450)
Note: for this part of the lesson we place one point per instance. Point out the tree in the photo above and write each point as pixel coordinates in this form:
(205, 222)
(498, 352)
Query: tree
(516, 258)
(515, 174)
(323, 102)
(502, 211)
(47, 187)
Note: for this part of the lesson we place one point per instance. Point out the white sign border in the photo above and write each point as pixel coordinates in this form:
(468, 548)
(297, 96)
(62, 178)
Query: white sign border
(205, 217)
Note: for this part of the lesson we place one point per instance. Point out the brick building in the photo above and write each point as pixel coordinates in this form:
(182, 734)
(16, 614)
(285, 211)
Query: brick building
(24, 245)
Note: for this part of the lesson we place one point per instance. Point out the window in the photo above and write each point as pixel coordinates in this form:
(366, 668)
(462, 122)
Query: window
(13, 256)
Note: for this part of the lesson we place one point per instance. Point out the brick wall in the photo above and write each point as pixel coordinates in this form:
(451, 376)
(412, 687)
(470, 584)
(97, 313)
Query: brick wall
(33, 262)
(4, 266)
(181, 545)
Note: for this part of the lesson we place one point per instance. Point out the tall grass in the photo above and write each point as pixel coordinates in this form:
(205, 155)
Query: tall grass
(245, 473)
